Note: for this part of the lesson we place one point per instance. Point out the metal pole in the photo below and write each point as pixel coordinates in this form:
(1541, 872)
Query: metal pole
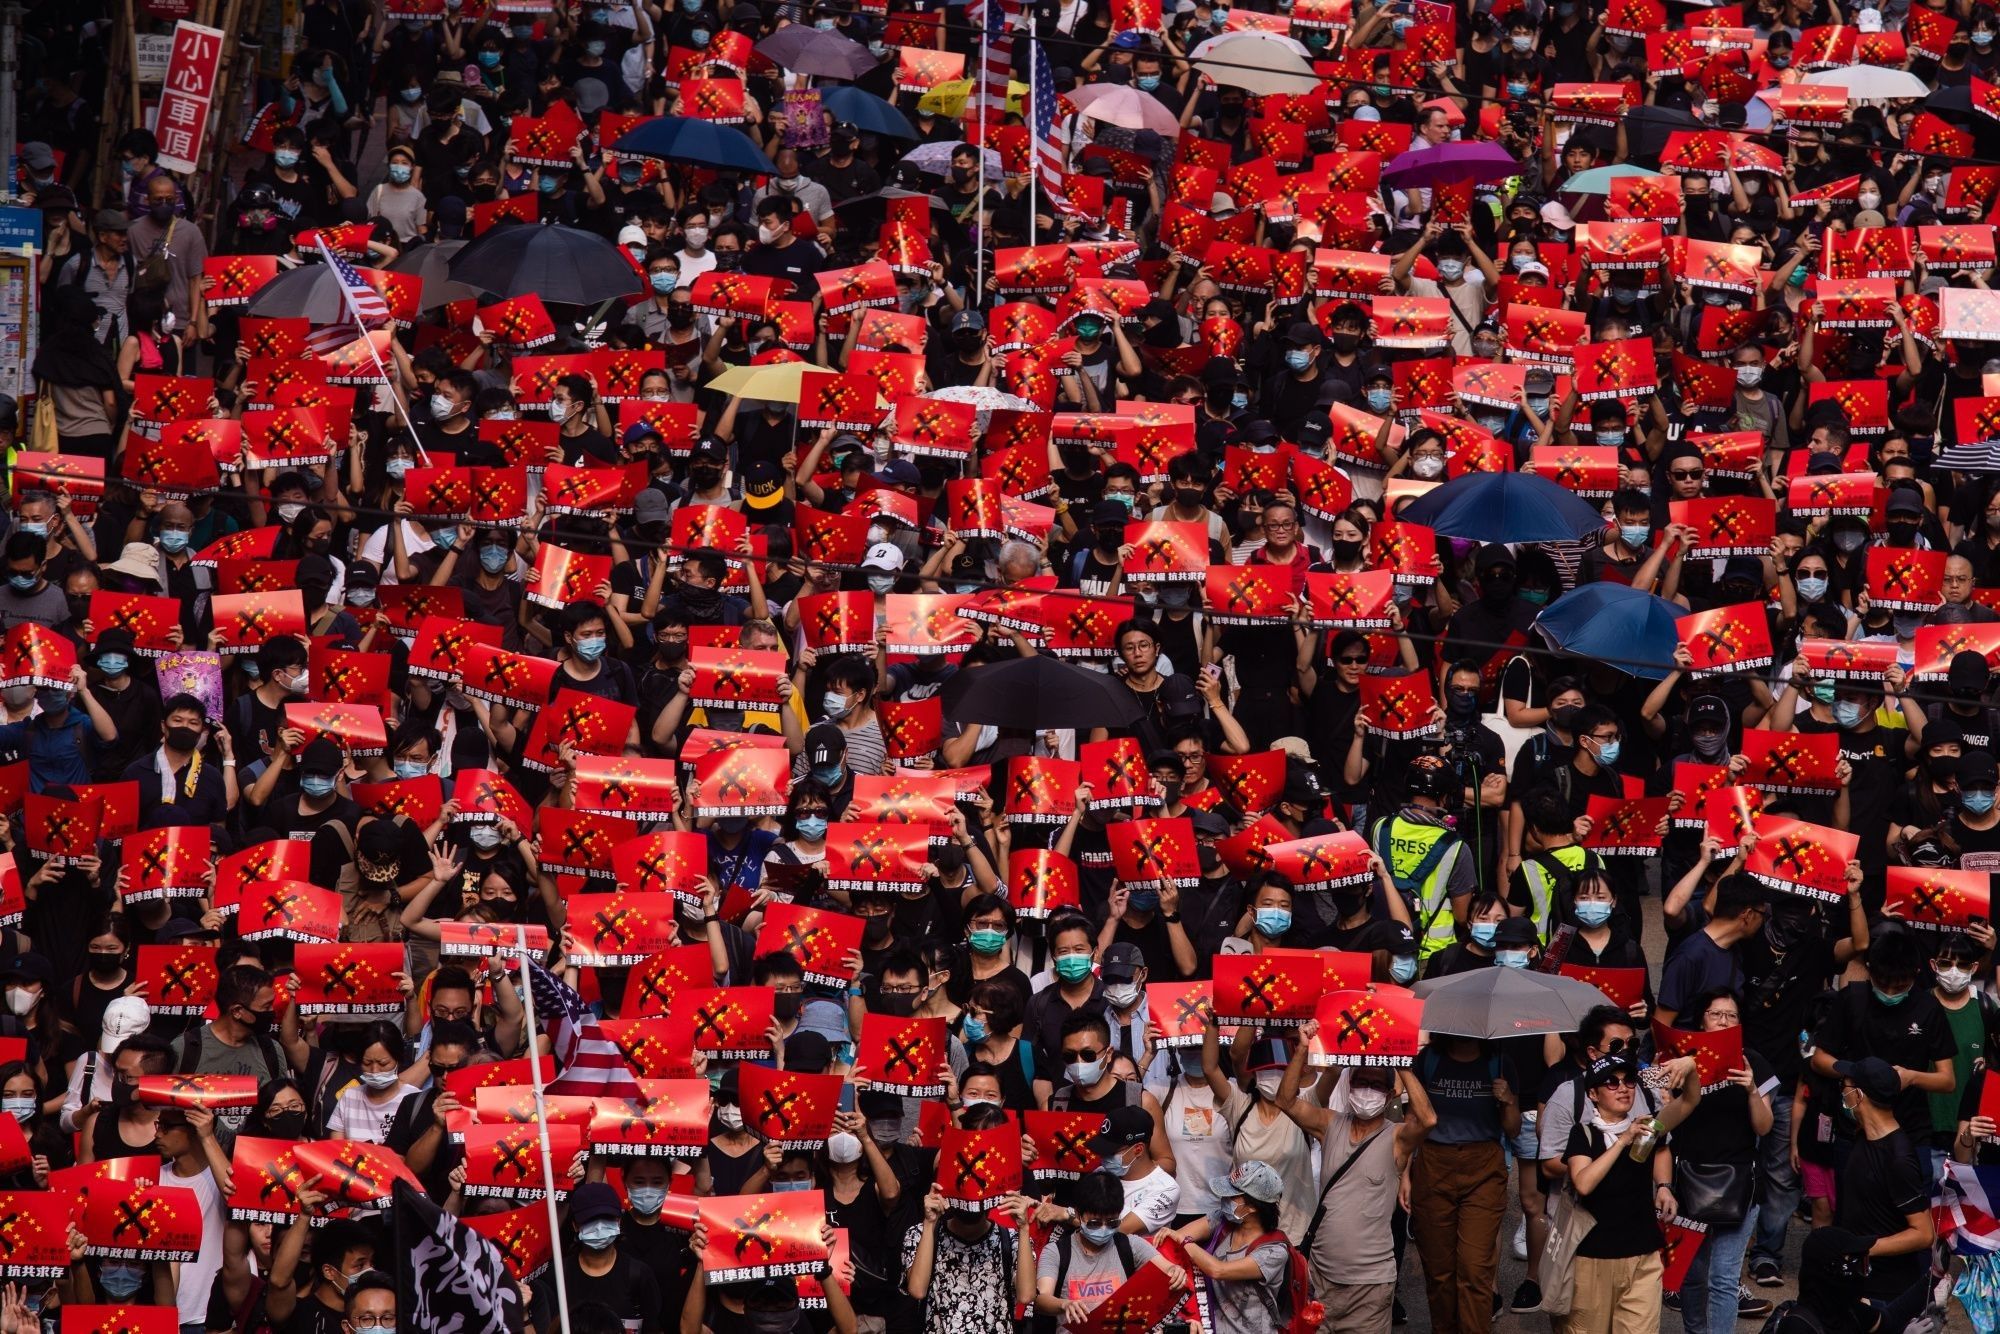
(1034, 132)
(395, 393)
(979, 143)
(10, 65)
(542, 1130)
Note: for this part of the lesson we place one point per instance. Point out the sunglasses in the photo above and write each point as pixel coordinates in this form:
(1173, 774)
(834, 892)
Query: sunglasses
(1352, 662)
(1086, 1054)
(1620, 1082)
(1694, 476)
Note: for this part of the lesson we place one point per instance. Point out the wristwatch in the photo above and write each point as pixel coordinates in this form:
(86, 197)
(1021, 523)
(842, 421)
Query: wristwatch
(1170, 917)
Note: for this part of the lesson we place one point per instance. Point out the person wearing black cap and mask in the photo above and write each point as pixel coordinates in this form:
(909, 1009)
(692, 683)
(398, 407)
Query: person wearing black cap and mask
(1966, 683)
(1884, 1189)
(1489, 628)
(1292, 390)
(961, 357)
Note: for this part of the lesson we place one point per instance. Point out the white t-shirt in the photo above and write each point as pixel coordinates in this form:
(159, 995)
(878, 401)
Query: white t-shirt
(193, 1279)
(356, 1118)
(1155, 1197)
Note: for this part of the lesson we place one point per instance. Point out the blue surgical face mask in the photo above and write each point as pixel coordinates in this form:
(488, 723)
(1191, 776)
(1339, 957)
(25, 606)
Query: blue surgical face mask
(399, 468)
(1381, 400)
(411, 96)
(1143, 900)
(1273, 922)
(32, 528)
(1511, 958)
(646, 1200)
(445, 538)
(1239, 400)
(593, 48)
(1593, 914)
(399, 172)
(23, 583)
(316, 785)
(360, 597)
(1978, 803)
(1485, 933)
(488, 59)
(410, 768)
(1083, 1074)
(548, 185)
(113, 664)
(829, 774)
(1634, 534)
(1402, 968)
(1072, 967)
(1810, 588)
(1299, 358)
(174, 541)
(811, 827)
(700, 36)
(1847, 713)
(1098, 1234)
(1535, 597)
(286, 157)
(121, 1279)
(1822, 692)
(833, 704)
(494, 559)
(1887, 999)
(1608, 752)
(590, 647)
(974, 1029)
(663, 281)
(1148, 82)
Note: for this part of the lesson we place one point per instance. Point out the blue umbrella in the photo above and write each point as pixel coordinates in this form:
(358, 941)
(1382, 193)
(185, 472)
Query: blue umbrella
(700, 142)
(1505, 507)
(1618, 626)
(866, 112)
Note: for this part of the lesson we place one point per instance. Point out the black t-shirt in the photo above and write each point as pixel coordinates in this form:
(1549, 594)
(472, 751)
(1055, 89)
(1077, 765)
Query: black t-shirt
(1915, 1035)
(1718, 1129)
(1876, 756)
(796, 263)
(1978, 849)
(1778, 994)
(1622, 1202)
(629, 1287)
(1880, 1187)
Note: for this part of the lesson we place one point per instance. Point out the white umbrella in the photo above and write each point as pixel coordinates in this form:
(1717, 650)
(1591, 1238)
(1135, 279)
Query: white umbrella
(1126, 107)
(1871, 83)
(1257, 62)
(984, 400)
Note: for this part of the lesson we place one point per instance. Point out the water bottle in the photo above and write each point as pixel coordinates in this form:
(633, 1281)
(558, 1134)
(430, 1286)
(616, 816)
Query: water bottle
(1649, 1135)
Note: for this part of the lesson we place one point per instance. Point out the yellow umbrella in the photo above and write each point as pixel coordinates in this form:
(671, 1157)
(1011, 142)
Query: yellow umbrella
(778, 381)
(947, 98)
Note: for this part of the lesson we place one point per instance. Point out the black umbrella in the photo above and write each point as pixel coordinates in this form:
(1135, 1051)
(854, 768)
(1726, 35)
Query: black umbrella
(561, 265)
(1034, 693)
(1647, 128)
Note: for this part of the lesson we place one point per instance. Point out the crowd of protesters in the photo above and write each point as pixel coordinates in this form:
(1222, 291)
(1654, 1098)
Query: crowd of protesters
(1182, 320)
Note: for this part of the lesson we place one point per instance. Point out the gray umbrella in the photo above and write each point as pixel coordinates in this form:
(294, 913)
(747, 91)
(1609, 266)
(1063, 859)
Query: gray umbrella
(805, 50)
(311, 291)
(429, 263)
(1505, 1003)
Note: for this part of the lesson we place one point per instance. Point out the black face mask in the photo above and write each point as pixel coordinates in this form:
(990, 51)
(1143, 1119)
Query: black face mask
(183, 738)
(106, 965)
(1564, 719)
(1189, 497)
(875, 929)
(705, 477)
(728, 261)
(900, 1005)
(1109, 538)
(286, 1125)
(1210, 859)
(1496, 587)
(1346, 551)
(673, 653)
(785, 1005)
(680, 317)
(1462, 704)
(1346, 342)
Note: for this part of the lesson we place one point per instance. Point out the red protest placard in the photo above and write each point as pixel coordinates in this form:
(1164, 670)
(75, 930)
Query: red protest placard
(1041, 882)
(672, 1124)
(623, 785)
(1625, 825)
(37, 1234)
(752, 1237)
(730, 1023)
(498, 676)
(245, 621)
(1166, 552)
(1116, 771)
(793, 1108)
(147, 1222)
(1275, 990)
(1141, 1302)
(172, 862)
(978, 1169)
(820, 940)
(1802, 763)
(1623, 987)
(1400, 707)
(1155, 854)
(484, 940)
(1375, 1026)
(1727, 525)
(902, 1055)
(80, 1319)
(1062, 1143)
(1802, 858)
(356, 728)
(290, 910)
(736, 678)
(1939, 897)
(349, 981)
(618, 930)
(1726, 640)
(741, 782)
(1841, 660)
(506, 1160)
(1905, 579)
(1323, 861)
(580, 842)
(887, 859)
(210, 1091)
(587, 724)
(180, 978)
(1715, 1052)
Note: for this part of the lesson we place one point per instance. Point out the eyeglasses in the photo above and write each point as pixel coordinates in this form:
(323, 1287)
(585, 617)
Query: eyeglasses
(1604, 740)
(1195, 758)
(1279, 525)
(374, 1321)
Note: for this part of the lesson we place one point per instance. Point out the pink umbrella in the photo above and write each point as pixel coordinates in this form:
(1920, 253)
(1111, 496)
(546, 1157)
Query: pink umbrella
(1122, 105)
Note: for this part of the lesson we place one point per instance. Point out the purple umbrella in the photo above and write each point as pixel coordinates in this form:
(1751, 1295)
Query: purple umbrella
(1477, 161)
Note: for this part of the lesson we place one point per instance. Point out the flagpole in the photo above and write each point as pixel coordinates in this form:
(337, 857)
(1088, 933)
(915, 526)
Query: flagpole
(395, 395)
(542, 1128)
(979, 91)
(1034, 138)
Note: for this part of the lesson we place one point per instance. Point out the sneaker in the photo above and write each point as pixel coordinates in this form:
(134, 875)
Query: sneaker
(1671, 1300)
(1521, 1241)
(1749, 1306)
(1400, 1316)
(1767, 1274)
(1527, 1297)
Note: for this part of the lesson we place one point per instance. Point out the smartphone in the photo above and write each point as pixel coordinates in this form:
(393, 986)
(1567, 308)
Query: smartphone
(846, 1103)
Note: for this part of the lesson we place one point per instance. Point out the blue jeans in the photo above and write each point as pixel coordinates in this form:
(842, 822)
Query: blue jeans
(1779, 1193)
(1708, 1298)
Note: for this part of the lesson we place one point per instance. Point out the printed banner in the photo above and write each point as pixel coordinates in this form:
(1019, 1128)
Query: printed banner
(1801, 858)
(1376, 1027)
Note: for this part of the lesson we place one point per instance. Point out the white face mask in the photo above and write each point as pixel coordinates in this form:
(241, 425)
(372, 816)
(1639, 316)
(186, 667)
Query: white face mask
(1123, 994)
(1267, 1083)
(768, 234)
(731, 1117)
(842, 1147)
(1953, 980)
(1367, 1104)
(696, 237)
(1868, 199)
(22, 1001)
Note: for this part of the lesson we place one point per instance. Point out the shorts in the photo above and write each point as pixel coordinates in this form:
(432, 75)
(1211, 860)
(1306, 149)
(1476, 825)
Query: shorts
(1819, 1179)
(1527, 1145)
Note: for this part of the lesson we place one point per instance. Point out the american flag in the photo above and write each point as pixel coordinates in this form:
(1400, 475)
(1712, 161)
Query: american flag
(1048, 154)
(364, 306)
(591, 1063)
(989, 92)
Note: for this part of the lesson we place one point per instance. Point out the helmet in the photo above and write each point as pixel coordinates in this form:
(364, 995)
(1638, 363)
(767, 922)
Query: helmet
(1429, 776)
(256, 196)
